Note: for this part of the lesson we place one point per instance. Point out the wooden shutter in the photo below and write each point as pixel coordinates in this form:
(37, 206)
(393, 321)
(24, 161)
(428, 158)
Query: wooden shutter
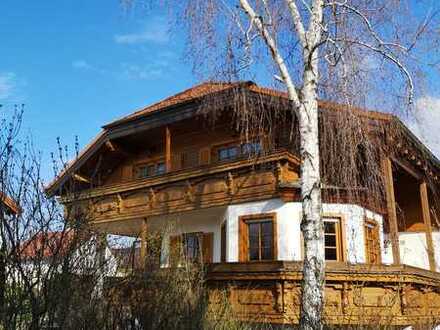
(175, 248)
(223, 243)
(176, 162)
(127, 172)
(207, 247)
(204, 156)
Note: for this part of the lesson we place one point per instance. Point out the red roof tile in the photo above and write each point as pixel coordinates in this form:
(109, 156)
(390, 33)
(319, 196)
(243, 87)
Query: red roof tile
(182, 97)
(46, 245)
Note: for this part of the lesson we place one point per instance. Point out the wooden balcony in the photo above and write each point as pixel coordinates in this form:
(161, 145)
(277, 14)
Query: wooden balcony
(355, 294)
(203, 186)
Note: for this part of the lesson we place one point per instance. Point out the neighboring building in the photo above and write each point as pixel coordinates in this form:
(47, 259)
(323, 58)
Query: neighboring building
(53, 250)
(166, 164)
(8, 206)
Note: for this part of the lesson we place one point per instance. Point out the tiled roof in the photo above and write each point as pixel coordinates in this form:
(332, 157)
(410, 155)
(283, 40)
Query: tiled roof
(208, 88)
(182, 97)
(47, 244)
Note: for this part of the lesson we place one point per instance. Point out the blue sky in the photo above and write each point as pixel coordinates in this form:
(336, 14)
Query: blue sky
(80, 64)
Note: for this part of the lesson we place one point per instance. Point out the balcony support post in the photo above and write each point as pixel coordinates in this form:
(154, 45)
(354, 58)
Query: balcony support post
(143, 238)
(168, 149)
(391, 207)
(427, 221)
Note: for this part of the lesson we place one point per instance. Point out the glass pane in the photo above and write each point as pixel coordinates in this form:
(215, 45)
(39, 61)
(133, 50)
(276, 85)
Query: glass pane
(330, 240)
(191, 246)
(266, 234)
(222, 154)
(142, 172)
(253, 254)
(266, 240)
(330, 254)
(267, 253)
(251, 148)
(151, 170)
(329, 227)
(160, 169)
(254, 241)
(233, 152)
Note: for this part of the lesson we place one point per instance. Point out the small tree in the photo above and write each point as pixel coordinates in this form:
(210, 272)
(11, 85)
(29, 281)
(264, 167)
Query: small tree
(49, 269)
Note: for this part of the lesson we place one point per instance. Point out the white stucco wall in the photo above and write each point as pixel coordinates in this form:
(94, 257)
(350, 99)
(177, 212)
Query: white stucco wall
(413, 249)
(288, 228)
(436, 241)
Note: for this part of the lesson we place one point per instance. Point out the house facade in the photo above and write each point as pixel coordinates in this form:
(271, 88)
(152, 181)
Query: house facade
(236, 203)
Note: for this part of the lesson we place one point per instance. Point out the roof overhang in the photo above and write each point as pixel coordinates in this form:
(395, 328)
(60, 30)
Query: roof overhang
(187, 109)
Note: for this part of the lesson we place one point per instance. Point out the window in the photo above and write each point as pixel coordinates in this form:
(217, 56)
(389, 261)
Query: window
(151, 169)
(191, 246)
(372, 242)
(230, 152)
(332, 239)
(250, 148)
(194, 247)
(227, 153)
(258, 237)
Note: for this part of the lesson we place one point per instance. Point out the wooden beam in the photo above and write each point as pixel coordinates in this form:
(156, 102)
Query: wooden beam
(82, 178)
(167, 149)
(110, 145)
(143, 238)
(391, 206)
(114, 147)
(427, 221)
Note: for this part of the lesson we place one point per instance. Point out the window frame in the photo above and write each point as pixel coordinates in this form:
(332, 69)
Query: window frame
(341, 242)
(369, 221)
(238, 145)
(154, 162)
(243, 235)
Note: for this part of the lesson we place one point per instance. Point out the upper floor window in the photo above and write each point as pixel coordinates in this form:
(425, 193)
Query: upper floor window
(227, 153)
(231, 152)
(372, 242)
(257, 237)
(151, 169)
(251, 148)
(333, 239)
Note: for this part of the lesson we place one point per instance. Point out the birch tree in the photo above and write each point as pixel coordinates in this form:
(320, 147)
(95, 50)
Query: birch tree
(355, 52)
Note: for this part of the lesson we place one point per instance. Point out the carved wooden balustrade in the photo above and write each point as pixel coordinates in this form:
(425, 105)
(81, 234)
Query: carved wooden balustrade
(354, 294)
(200, 187)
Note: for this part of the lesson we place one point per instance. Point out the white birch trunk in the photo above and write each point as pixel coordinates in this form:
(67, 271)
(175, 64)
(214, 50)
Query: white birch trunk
(312, 226)
(306, 106)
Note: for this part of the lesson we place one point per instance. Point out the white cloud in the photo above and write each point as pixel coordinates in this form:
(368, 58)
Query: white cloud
(81, 64)
(155, 31)
(136, 72)
(7, 84)
(426, 124)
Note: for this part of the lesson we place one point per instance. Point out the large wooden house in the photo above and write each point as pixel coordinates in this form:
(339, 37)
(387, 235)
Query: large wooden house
(238, 204)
